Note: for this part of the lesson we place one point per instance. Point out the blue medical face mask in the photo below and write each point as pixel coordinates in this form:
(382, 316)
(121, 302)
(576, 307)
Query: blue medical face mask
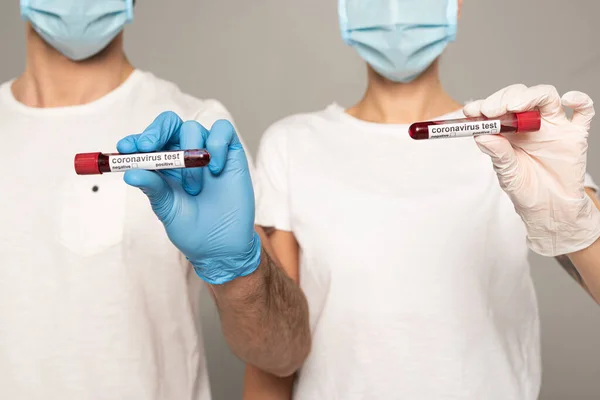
(399, 38)
(79, 29)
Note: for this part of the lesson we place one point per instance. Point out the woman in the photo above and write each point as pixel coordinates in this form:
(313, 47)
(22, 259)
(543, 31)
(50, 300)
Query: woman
(411, 255)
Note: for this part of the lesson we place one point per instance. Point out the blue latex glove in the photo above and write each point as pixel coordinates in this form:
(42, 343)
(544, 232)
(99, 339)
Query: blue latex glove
(208, 213)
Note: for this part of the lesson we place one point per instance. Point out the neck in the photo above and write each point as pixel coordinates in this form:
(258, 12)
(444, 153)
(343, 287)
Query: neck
(52, 80)
(387, 102)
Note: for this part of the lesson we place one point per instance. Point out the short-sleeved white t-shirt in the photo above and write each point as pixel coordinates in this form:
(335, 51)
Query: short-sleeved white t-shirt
(95, 302)
(413, 260)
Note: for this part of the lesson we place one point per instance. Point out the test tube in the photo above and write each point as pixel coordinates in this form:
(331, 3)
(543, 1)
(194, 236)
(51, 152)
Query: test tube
(529, 121)
(100, 163)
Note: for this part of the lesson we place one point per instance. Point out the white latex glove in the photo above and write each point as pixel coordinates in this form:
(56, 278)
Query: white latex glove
(543, 172)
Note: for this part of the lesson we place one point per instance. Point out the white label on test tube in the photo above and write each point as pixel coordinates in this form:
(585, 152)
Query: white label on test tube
(464, 129)
(151, 161)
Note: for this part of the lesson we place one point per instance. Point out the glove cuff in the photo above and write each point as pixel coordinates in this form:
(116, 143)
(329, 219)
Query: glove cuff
(570, 229)
(220, 270)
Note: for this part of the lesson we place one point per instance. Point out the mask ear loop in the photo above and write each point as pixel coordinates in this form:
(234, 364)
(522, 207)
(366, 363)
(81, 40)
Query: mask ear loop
(452, 16)
(24, 8)
(343, 16)
(128, 10)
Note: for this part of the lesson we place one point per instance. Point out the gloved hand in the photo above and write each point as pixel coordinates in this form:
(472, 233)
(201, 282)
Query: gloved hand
(208, 213)
(543, 172)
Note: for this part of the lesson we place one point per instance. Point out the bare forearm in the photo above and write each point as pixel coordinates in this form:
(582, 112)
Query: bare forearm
(264, 318)
(584, 265)
(587, 262)
(258, 385)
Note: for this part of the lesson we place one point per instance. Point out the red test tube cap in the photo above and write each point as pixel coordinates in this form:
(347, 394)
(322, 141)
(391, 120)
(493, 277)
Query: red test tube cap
(87, 164)
(529, 121)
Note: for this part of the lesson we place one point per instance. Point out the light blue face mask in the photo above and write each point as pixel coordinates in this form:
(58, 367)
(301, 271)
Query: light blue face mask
(399, 38)
(79, 29)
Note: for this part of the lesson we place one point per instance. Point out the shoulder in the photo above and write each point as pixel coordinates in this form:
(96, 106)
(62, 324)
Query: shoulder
(4, 86)
(168, 96)
(299, 126)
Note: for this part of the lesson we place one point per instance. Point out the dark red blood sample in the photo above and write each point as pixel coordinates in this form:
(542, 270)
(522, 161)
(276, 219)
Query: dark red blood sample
(100, 163)
(529, 121)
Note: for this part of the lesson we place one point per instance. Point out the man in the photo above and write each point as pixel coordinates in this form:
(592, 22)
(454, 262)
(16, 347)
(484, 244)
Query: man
(95, 300)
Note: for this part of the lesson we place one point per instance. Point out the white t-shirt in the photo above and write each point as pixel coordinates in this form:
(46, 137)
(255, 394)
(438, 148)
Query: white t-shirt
(95, 302)
(413, 260)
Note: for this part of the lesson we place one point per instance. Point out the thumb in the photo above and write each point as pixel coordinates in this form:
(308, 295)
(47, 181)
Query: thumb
(156, 188)
(221, 140)
(583, 108)
(502, 154)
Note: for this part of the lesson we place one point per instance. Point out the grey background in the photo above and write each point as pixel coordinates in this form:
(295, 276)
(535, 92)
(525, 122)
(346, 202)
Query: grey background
(265, 59)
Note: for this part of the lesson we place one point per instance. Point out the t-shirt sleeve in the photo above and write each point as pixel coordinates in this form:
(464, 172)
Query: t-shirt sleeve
(271, 183)
(589, 183)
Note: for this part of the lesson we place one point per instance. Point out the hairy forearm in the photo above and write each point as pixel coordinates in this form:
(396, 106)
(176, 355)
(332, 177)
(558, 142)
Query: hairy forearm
(264, 318)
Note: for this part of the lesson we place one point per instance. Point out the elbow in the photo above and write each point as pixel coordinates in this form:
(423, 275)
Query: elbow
(281, 358)
(290, 363)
